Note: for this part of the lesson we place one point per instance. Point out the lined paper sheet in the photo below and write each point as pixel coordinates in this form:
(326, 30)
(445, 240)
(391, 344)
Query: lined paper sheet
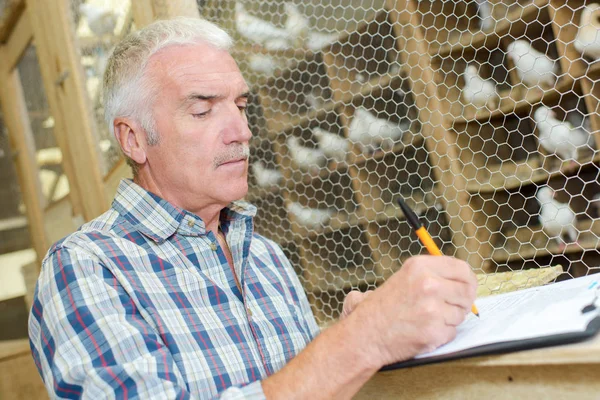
(530, 313)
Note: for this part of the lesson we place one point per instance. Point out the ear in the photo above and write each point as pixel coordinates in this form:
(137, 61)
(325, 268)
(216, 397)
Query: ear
(132, 139)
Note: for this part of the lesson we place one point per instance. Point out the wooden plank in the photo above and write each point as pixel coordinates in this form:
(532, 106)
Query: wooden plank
(442, 148)
(14, 111)
(143, 13)
(479, 39)
(175, 8)
(516, 103)
(454, 381)
(13, 223)
(531, 242)
(64, 82)
(17, 42)
(9, 15)
(512, 176)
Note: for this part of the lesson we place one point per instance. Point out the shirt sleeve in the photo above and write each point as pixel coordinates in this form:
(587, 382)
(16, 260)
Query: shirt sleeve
(90, 340)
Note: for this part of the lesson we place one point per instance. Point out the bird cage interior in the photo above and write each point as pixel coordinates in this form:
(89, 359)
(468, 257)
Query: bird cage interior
(483, 116)
(455, 107)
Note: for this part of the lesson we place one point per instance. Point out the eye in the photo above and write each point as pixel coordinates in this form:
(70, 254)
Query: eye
(200, 115)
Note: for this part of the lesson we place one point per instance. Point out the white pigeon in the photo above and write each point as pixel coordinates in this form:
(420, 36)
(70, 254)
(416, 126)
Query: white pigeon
(370, 132)
(334, 146)
(101, 21)
(317, 40)
(587, 40)
(484, 12)
(262, 63)
(534, 68)
(314, 99)
(558, 137)
(557, 219)
(311, 218)
(260, 31)
(296, 24)
(478, 91)
(266, 178)
(307, 159)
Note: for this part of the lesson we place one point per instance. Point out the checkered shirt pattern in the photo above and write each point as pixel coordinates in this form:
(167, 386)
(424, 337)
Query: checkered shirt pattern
(141, 303)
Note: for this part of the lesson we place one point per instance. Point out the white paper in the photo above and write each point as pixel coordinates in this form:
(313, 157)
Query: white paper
(529, 313)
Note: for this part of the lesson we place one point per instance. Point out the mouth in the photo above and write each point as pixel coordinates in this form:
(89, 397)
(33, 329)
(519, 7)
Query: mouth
(234, 162)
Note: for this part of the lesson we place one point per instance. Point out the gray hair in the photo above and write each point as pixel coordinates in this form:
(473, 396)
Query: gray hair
(126, 90)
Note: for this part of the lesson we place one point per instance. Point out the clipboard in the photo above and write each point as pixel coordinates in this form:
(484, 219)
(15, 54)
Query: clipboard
(583, 325)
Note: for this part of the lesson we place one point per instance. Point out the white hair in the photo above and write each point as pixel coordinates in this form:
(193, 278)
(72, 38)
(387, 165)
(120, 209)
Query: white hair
(126, 90)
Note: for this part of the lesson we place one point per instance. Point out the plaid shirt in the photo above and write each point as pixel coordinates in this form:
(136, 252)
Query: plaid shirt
(141, 302)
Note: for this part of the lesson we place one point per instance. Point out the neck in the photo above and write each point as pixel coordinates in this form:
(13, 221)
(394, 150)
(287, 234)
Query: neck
(210, 213)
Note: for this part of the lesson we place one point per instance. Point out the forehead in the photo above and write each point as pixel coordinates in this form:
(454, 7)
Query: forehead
(196, 67)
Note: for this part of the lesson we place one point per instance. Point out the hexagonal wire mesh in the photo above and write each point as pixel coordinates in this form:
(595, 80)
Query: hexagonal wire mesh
(482, 115)
(467, 109)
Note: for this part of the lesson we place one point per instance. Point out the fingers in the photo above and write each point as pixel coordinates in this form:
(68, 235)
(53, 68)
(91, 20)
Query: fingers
(352, 300)
(451, 268)
(453, 316)
(447, 268)
(458, 294)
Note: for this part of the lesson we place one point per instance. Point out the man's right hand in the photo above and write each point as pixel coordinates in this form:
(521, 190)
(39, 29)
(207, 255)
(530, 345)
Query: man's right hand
(417, 309)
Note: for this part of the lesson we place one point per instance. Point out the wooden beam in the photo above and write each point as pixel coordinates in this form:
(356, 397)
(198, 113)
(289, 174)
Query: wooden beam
(17, 42)
(147, 11)
(14, 112)
(9, 15)
(143, 12)
(64, 81)
(454, 381)
(175, 8)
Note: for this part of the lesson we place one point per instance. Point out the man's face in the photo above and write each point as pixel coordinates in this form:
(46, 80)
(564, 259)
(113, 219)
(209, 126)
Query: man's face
(201, 159)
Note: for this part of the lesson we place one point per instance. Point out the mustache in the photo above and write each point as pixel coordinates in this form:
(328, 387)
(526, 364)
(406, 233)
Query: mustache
(233, 152)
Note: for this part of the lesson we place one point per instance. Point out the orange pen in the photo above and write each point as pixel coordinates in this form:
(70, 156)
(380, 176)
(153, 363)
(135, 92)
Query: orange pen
(424, 236)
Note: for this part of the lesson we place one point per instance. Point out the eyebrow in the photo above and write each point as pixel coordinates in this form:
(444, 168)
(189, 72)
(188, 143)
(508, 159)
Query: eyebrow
(207, 97)
(198, 96)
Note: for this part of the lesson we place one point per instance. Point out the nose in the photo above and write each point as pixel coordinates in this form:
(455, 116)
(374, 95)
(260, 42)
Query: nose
(235, 127)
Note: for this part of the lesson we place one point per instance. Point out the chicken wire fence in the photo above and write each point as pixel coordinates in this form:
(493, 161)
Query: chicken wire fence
(482, 115)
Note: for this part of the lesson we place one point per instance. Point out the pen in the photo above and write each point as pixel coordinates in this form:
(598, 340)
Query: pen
(424, 236)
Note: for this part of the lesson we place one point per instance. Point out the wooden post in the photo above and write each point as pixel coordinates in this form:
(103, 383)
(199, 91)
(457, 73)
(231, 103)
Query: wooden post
(143, 12)
(64, 84)
(147, 11)
(23, 148)
(175, 8)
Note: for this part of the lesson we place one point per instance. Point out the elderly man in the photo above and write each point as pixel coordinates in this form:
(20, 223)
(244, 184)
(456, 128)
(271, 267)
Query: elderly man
(170, 293)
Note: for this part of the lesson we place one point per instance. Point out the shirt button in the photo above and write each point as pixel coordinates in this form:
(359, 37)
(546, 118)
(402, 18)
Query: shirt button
(249, 312)
(191, 223)
(213, 246)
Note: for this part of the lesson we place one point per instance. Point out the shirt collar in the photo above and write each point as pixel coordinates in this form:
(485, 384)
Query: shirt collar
(158, 219)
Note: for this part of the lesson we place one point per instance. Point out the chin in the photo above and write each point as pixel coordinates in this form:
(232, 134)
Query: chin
(237, 190)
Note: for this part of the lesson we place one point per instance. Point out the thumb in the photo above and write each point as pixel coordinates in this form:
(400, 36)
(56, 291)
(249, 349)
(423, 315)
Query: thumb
(352, 300)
